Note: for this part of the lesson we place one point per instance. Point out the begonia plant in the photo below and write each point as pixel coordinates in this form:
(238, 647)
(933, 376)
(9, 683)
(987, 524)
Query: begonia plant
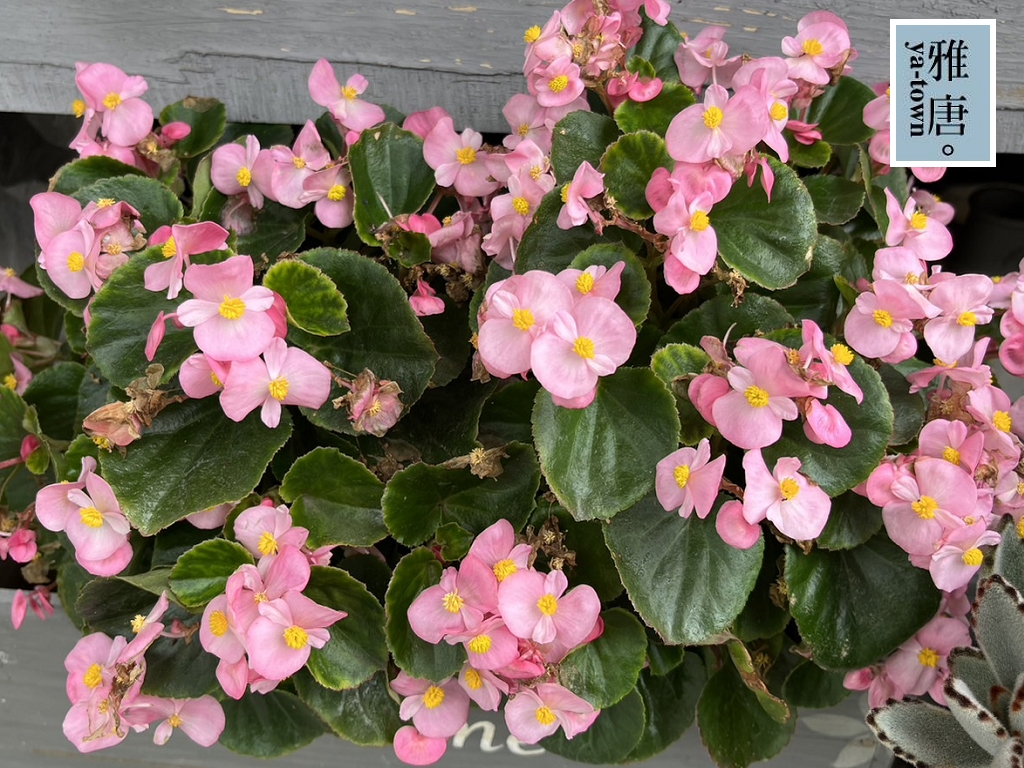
(654, 409)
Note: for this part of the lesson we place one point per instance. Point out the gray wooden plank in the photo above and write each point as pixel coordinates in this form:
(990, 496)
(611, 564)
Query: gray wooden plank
(465, 55)
(33, 704)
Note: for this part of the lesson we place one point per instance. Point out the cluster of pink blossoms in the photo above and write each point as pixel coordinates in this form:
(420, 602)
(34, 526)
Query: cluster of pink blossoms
(513, 621)
(239, 328)
(566, 328)
(263, 628)
(104, 684)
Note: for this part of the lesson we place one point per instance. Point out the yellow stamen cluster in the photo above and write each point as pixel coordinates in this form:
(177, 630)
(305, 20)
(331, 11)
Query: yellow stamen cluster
(433, 697)
(757, 397)
(789, 488)
(1002, 421)
(585, 283)
(337, 193)
(972, 557)
(951, 454)
(699, 221)
(681, 475)
(548, 605)
(842, 354)
(522, 319)
(565, 192)
(584, 347)
(278, 388)
(91, 517)
(925, 507)
(169, 249)
(813, 47)
(243, 177)
(712, 118)
(218, 623)
(532, 35)
(503, 569)
(93, 676)
(295, 637)
(138, 623)
(473, 679)
(480, 644)
(558, 84)
(466, 155)
(967, 320)
(521, 206)
(174, 720)
(78, 107)
(349, 93)
(112, 100)
(882, 318)
(544, 716)
(267, 544)
(778, 111)
(928, 657)
(919, 220)
(453, 602)
(11, 381)
(232, 308)
(298, 162)
(76, 262)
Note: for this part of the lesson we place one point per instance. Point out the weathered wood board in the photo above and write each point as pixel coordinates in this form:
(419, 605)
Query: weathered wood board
(465, 55)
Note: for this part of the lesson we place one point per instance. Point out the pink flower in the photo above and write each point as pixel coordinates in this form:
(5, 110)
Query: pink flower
(202, 719)
(458, 604)
(920, 665)
(343, 101)
(201, 376)
(534, 713)
(234, 172)
(912, 229)
(15, 286)
(963, 302)
(437, 710)
(720, 126)
(593, 281)
(126, 119)
(280, 638)
(556, 84)
(934, 499)
(832, 362)
(374, 406)
(423, 122)
(496, 547)
(265, 530)
(19, 607)
(54, 213)
(293, 166)
(220, 633)
(229, 313)
(703, 55)
(20, 545)
(954, 564)
(580, 345)
(686, 480)
(733, 527)
(457, 160)
(822, 44)
(489, 645)
(413, 748)
(285, 376)
(785, 497)
(586, 183)
(70, 261)
(534, 608)
(483, 687)
(881, 323)
(825, 425)
(180, 241)
(331, 190)
(694, 244)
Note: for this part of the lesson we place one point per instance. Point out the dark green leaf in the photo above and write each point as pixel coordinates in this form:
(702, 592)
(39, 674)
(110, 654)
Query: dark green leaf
(654, 115)
(908, 408)
(268, 725)
(684, 581)
(178, 467)
(202, 573)
(811, 686)
(314, 303)
(815, 296)
(715, 317)
(336, 498)
(421, 497)
(635, 294)
(614, 734)
(450, 334)
(54, 393)
(761, 617)
(171, 543)
(12, 414)
(836, 200)
(670, 704)
(207, 202)
(605, 670)
(413, 574)
(179, 668)
(733, 726)
(628, 166)
(658, 46)
(843, 602)
(278, 230)
(109, 605)
(547, 246)
(444, 423)
(814, 155)
(122, 314)
(852, 521)
(506, 415)
(839, 112)
(357, 647)
(580, 137)
(390, 177)
(408, 248)
(156, 204)
(81, 173)
(366, 715)
(206, 117)
(590, 456)
(386, 335)
(776, 708)
(455, 541)
(770, 244)
(594, 564)
(676, 365)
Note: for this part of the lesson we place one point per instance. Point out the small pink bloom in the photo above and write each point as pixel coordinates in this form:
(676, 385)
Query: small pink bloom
(556, 84)
(718, 127)
(97, 528)
(126, 119)
(534, 607)
(21, 545)
(457, 160)
(703, 56)
(881, 323)
(233, 171)
(496, 548)
(202, 719)
(343, 101)
(593, 281)
(921, 661)
(822, 44)
(489, 645)
(586, 183)
(437, 710)
(825, 425)
(963, 302)
(201, 376)
(413, 748)
(280, 639)
(331, 190)
(19, 607)
(54, 214)
(70, 261)
(733, 527)
(423, 122)
(934, 499)
(285, 376)
(913, 229)
(293, 166)
(458, 604)
(483, 687)
(180, 242)
(220, 633)
(954, 564)
(534, 713)
(687, 480)
(265, 530)
(704, 391)
(785, 497)
(13, 285)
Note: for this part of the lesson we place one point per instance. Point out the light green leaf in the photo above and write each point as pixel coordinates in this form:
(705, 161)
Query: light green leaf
(314, 303)
(628, 166)
(605, 670)
(202, 573)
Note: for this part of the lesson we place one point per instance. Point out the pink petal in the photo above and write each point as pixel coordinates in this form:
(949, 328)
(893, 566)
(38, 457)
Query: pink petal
(413, 748)
(733, 527)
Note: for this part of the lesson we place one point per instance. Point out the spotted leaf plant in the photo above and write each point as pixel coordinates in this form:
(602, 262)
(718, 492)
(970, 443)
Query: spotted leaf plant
(646, 411)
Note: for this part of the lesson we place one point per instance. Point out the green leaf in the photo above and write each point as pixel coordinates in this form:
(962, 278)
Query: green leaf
(676, 365)
(278, 230)
(635, 294)
(658, 45)
(81, 173)
(171, 543)
(357, 648)
(547, 246)
(839, 112)
(843, 601)
(179, 465)
(684, 581)
(506, 414)
(654, 115)
(717, 316)
(814, 155)
(594, 564)
(386, 335)
(908, 408)
(54, 393)
(202, 573)
(761, 617)
(109, 604)
(776, 708)
(605, 670)
(122, 314)
(813, 687)
(455, 541)
(734, 727)
(12, 414)
(839, 469)
(770, 244)
(836, 200)
(206, 117)
(421, 497)
(815, 295)
(444, 423)
(179, 668)
(580, 137)
(450, 334)
(268, 725)
(414, 573)
(928, 734)
(852, 521)
(156, 204)
(590, 456)
(613, 735)
(207, 202)
(628, 166)
(366, 715)
(670, 704)
(314, 303)
(408, 248)
(336, 498)
(390, 177)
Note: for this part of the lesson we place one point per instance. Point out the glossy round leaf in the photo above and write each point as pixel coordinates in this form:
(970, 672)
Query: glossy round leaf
(268, 725)
(684, 581)
(604, 670)
(628, 166)
(718, 317)
(580, 137)
(366, 715)
(278, 230)
(206, 118)
(815, 296)
(839, 112)
(202, 573)
(314, 303)
(843, 601)
(851, 522)
(613, 735)
(85, 171)
(768, 243)
(813, 687)
(156, 204)
(547, 246)
(658, 45)
(54, 393)
(591, 457)
(654, 115)
(836, 200)
(670, 705)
